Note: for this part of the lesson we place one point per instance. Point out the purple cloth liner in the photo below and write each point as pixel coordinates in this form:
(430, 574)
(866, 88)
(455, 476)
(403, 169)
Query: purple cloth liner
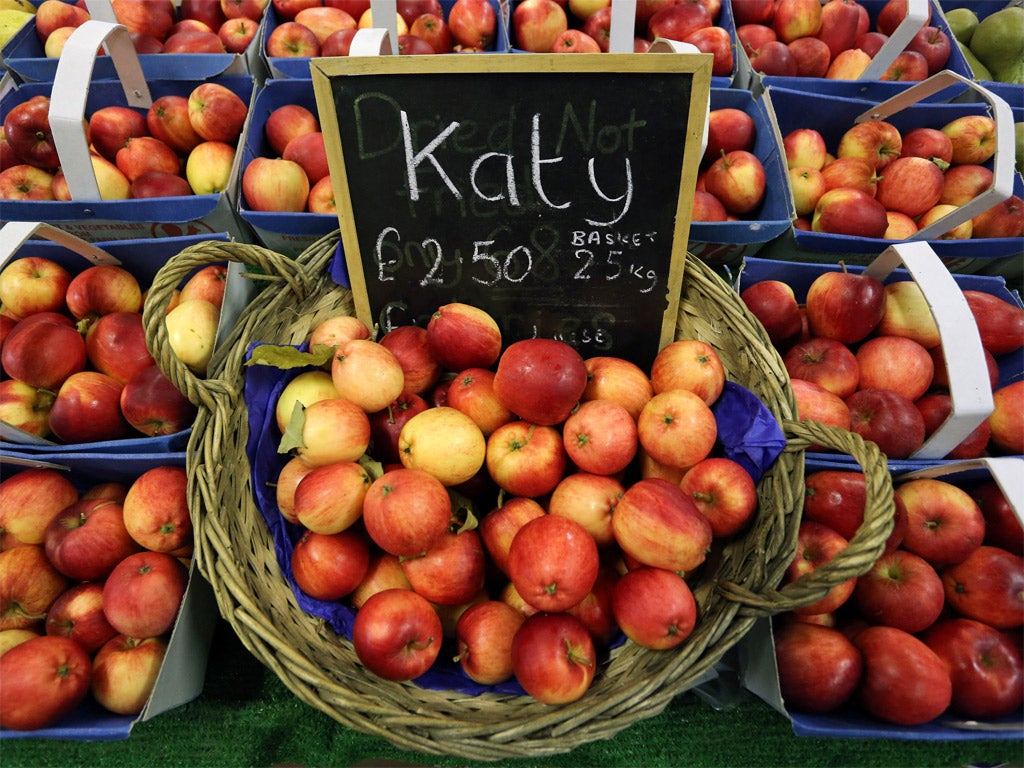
(748, 434)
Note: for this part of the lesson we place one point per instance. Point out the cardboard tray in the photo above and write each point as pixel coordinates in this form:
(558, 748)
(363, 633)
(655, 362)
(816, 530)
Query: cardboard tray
(184, 668)
(74, 96)
(727, 243)
(284, 66)
(24, 57)
(759, 672)
(916, 106)
(969, 387)
(917, 17)
(143, 258)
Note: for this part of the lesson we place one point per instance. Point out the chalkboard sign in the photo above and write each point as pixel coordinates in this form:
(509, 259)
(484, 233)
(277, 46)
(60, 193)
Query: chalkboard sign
(554, 191)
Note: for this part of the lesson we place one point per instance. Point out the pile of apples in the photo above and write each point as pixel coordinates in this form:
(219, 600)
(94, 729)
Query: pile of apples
(160, 26)
(933, 627)
(600, 485)
(179, 146)
(326, 27)
(867, 356)
(294, 176)
(732, 181)
(833, 40)
(91, 583)
(74, 357)
(879, 182)
(583, 26)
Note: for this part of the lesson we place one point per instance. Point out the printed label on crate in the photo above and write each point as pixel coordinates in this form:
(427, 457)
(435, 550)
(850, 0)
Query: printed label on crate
(554, 192)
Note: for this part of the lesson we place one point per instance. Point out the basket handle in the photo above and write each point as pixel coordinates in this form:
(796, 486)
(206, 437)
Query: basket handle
(265, 264)
(863, 549)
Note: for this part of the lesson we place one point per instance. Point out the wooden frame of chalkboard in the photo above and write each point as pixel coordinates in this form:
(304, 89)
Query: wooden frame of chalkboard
(554, 191)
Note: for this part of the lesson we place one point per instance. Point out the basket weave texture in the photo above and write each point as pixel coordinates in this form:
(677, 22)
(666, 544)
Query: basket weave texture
(235, 553)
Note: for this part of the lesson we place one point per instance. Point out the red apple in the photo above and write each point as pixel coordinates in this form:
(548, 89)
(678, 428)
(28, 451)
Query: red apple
(815, 402)
(796, 18)
(462, 336)
(1000, 323)
(553, 562)
(988, 586)
(484, 635)
(410, 345)
(707, 207)
(718, 42)
(155, 509)
(600, 436)
(286, 122)
(910, 185)
(32, 498)
(819, 667)
(194, 41)
(168, 120)
(811, 55)
(944, 523)
(44, 350)
(654, 607)
(677, 21)
(888, 419)
(1005, 422)
(896, 363)
(33, 284)
(752, 11)
(451, 572)
(116, 345)
(846, 211)
(829, 363)
(112, 126)
(837, 498)
(935, 408)
(329, 566)
(656, 523)
(929, 143)
(29, 585)
(904, 681)
(553, 657)
(148, 18)
(724, 492)
(574, 41)
(367, 373)
(406, 511)
(540, 380)
(984, 666)
(907, 66)
(160, 184)
(143, 593)
(397, 634)
(102, 289)
(325, 21)
(216, 112)
(900, 590)
(26, 407)
(432, 28)
(472, 392)
(1002, 526)
(275, 184)
(774, 304)
(855, 172)
(499, 526)
(292, 39)
(45, 678)
(738, 179)
(125, 671)
(973, 137)
(590, 500)
(88, 539)
(816, 545)
(88, 409)
(535, 24)
(677, 428)
(78, 614)
(613, 378)
(773, 58)
(237, 34)
(153, 405)
(526, 459)
(27, 131)
(386, 425)
(689, 364)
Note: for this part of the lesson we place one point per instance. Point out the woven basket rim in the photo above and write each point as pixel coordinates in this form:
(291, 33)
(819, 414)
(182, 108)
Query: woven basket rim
(633, 684)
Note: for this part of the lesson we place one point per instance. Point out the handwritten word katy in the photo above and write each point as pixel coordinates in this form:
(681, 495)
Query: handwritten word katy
(436, 155)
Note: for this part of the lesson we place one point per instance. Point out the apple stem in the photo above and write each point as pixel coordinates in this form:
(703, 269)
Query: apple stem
(575, 656)
(707, 498)
(417, 646)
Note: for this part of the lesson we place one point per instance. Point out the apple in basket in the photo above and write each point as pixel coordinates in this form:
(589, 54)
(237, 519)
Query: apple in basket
(397, 634)
(78, 614)
(553, 657)
(141, 596)
(88, 539)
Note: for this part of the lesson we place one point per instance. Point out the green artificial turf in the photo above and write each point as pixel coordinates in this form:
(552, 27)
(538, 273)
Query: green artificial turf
(246, 717)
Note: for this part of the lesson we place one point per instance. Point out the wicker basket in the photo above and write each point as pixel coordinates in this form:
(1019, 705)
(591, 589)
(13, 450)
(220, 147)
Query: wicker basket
(236, 554)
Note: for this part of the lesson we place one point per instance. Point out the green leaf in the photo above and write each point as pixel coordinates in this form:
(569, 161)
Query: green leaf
(285, 356)
(372, 467)
(292, 437)
(462, 512)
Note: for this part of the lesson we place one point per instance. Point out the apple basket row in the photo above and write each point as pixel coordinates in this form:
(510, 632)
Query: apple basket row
(236, 552)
